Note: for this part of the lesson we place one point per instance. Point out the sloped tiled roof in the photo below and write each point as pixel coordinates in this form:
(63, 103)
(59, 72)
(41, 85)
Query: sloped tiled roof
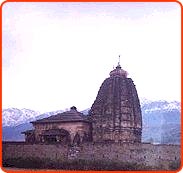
(69, 116)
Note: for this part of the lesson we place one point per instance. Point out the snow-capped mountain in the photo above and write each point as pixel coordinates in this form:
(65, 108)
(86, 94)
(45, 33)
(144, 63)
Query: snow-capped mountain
(14, 116)
(161, 121)
(47, 114)
(160, 105)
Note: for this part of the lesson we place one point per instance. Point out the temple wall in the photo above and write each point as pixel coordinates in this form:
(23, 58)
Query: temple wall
(151, 155)
(22, 150)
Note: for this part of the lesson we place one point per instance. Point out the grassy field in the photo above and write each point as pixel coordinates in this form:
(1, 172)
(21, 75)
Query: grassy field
(47, 164)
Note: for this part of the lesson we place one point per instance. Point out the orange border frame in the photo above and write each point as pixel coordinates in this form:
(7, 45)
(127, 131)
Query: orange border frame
(56, 171)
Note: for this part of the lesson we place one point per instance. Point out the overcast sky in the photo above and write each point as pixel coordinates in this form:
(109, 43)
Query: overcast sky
(56, 55)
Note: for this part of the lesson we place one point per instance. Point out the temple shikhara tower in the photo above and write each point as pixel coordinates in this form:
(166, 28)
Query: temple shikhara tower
(116, 112)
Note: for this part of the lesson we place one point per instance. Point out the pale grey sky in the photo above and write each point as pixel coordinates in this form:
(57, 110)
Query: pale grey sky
(56, 55)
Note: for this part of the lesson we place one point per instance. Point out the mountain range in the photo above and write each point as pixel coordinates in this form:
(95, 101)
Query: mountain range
(161, 121)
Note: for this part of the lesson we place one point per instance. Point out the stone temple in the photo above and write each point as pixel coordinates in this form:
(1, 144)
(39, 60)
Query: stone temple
(116, 112)
(115, 116)
(110, 132)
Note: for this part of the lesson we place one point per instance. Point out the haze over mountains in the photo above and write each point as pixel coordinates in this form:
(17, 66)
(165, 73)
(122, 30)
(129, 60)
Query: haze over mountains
(161, 121)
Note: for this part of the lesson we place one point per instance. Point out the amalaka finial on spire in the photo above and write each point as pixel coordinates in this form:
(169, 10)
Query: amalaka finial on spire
(118, 71)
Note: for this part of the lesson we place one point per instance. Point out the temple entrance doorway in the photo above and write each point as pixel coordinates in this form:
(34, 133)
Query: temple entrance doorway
(56, 136)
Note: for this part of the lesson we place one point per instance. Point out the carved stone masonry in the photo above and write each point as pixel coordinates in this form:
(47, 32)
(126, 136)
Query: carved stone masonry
(116, 112)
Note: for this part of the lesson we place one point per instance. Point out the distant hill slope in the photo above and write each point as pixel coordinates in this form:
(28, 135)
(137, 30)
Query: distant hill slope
(161, 122)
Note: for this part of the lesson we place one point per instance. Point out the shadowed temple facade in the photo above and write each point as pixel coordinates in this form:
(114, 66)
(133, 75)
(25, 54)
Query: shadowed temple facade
(114, 116)
(116, 112)
(67, 128)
